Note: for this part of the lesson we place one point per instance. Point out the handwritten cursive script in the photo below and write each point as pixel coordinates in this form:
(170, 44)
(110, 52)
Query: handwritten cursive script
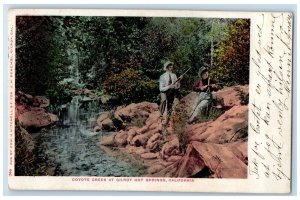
(270, 97)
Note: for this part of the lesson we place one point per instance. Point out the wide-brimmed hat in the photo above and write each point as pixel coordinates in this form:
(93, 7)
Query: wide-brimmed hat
(167, 64)
(202, 70)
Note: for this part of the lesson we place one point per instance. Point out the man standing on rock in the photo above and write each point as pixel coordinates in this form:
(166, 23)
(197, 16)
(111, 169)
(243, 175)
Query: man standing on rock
(205, 86)
(168, 86)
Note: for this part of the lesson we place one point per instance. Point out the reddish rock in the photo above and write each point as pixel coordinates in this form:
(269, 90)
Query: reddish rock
(174, 158)
(224, 129)
(153, 142)
(240, 150)
(230, 95)
(108, 140)
(149, 155)
(221, 160)
(141, 140)
(121, 138)
(131, 133)
(107, 124)
(155, 169)
(20, 109)
(136, 150)
(170, 148)
(102, 117)
(218, 158)
(215, 149)
(133, 110)
(24, 99)
(227, 96)
(37, 118)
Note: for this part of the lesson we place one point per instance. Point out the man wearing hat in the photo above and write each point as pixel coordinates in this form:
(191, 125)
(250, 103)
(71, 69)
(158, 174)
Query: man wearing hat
(168, 86)
(204, 85)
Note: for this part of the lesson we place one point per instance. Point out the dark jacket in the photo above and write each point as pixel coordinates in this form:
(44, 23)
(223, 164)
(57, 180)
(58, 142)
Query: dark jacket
(200, 83)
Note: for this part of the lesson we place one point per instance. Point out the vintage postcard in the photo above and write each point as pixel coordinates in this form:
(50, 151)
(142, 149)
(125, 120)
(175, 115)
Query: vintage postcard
(150, 100)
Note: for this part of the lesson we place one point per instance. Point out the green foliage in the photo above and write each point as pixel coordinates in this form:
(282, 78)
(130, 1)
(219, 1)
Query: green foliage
(231, 57)
(124, 56)
(180, 118)
(208, 114)
(131, 86)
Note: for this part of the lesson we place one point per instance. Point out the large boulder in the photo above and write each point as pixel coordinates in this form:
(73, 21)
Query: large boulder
(226, 97)
(102, 117)
(170, 148)
(108, 140)
(37, 118)
(229, 127)
(139, 110)
(206, 160)
(30, 112)
(105, 122)
(121, 138)
(230, 95)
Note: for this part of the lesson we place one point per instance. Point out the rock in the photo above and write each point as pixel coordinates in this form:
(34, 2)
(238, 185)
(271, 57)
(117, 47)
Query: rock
(218, 158)
(20, 109)
(224, 128)
(133, 110)
(37, 118)
(140, 140)
(226, 97)
(121, 138)
(155, 168)
(23, 99)
(41, 101)
(153, 142)
(97, 129)
(170, 148)
(136, 150)
(102, 117)
(221, 160)
(108, 140)
(131, 133)
(174, 158)
(149, 155)
(107, 124)
(230, 95)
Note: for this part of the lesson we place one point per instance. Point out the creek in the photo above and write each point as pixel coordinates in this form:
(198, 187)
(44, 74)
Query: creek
(71, 148)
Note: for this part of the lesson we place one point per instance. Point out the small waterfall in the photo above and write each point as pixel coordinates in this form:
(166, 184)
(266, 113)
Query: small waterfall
(73, 110)
(81, 113)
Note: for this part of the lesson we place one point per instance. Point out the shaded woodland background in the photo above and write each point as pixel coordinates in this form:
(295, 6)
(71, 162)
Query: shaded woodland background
(123, 56)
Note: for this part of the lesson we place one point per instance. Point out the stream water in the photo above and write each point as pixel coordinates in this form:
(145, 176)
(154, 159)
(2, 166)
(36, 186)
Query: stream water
(71, 148)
